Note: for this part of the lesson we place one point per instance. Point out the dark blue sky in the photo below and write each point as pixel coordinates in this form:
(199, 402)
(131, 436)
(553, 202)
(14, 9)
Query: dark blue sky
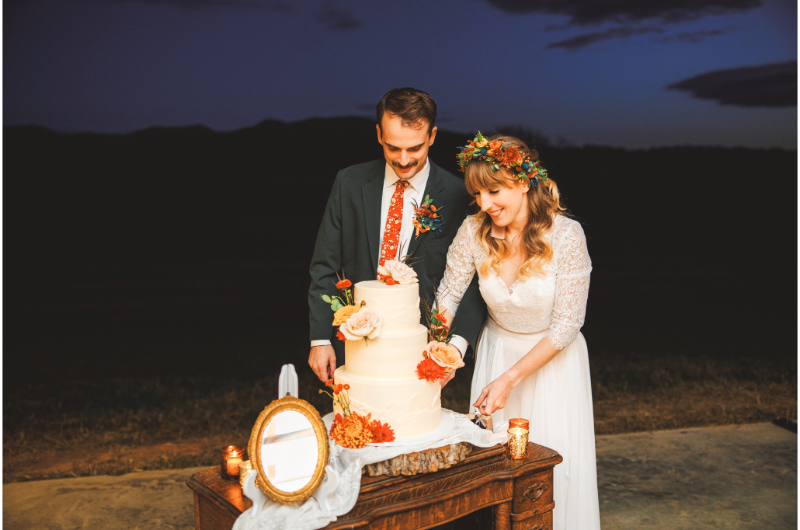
(624, 72)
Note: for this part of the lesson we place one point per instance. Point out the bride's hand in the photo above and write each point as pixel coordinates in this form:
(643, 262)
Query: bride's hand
(495, 395)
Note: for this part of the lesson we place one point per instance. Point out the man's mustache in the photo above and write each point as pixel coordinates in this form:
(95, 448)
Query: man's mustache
(411, 164)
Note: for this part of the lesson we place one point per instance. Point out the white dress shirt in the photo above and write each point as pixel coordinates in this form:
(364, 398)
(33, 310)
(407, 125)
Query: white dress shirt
(415, 191)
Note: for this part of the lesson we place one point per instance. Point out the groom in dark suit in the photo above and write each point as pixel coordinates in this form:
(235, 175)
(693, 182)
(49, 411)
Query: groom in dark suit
(355, 237)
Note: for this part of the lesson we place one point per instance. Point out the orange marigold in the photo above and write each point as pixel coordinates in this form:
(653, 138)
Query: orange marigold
(430, 371)
(344, 284)
(381, 432)
(351, 431)
(340, 335)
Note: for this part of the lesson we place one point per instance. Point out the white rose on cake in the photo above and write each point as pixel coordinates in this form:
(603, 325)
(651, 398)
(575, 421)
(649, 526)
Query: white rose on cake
(393, 272)
(445, 355)
(366, 324)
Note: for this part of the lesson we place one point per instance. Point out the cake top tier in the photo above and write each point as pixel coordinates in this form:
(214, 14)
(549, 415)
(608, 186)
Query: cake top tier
(398, 304)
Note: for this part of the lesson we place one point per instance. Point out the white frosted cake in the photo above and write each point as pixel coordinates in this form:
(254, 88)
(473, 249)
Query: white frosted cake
(382, 372)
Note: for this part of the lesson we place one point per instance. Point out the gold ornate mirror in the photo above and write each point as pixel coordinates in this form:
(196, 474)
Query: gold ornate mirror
(289, 449)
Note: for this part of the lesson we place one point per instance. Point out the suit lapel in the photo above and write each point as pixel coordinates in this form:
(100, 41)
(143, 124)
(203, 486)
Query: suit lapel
(435, 188)
(372, 195)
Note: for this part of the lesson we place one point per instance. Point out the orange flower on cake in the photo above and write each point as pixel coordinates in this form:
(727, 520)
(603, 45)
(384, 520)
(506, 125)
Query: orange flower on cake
(393, 272)
(344, 284)
(430, 371)
(445, 355)
(381, 432)
(365, 324)
(342, 314)
(351, 431)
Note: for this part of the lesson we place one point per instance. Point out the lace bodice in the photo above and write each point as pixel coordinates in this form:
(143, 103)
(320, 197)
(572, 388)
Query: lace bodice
(554, 301)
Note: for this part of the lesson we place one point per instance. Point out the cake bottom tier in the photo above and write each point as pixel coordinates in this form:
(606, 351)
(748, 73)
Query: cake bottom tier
(410, 406)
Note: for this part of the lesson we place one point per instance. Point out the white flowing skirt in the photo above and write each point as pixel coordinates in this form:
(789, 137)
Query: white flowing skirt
(557, 400)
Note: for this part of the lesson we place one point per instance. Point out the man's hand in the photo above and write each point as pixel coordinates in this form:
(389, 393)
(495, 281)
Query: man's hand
(449, 377)
(322, 360)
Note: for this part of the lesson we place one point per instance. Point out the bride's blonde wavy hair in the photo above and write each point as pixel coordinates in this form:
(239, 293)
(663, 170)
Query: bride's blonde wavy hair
(543, 205)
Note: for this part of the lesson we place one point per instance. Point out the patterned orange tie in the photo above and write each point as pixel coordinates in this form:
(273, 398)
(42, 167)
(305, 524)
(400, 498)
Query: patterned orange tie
(394, 220)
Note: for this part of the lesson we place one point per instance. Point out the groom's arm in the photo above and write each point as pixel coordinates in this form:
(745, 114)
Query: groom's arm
(325, 262)
(470, 316)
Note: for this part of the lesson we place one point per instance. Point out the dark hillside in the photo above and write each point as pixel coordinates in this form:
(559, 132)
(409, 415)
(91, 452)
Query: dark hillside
(694, 248)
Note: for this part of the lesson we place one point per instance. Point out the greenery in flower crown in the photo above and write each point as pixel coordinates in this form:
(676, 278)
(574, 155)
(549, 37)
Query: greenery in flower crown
(500, 155)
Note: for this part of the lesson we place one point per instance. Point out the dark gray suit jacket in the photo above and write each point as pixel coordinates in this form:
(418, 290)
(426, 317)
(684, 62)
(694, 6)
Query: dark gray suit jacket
(349, 237)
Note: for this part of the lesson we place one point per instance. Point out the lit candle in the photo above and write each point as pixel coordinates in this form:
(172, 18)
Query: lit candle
(232, 456)
(517, 443)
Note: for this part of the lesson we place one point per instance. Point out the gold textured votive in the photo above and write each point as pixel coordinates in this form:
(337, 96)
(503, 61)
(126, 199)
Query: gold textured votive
(244, 469)
(521, 423)
(517, 443)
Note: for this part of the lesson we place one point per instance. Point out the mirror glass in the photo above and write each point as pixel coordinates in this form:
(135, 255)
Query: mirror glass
(289, 451)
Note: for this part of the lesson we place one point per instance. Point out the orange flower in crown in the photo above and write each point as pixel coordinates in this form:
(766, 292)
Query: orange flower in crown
(498, 155)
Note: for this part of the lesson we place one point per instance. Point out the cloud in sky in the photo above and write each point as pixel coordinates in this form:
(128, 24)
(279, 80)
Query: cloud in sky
(581, 41)
(693, 36)
(586, 12)
(200, 4)
(768, 85)
(339, 20)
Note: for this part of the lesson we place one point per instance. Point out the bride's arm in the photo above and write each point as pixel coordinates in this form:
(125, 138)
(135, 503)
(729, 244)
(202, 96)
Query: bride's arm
(569, 311)
(459, 271)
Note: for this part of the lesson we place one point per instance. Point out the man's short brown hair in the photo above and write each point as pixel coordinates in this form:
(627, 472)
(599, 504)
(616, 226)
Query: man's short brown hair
(410, 105)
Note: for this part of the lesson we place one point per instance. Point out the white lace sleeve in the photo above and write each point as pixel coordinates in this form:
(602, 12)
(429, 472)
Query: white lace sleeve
(460, 267)
(572, 285)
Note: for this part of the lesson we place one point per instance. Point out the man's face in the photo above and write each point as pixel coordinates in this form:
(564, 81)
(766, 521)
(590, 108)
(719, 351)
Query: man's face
(405, 148)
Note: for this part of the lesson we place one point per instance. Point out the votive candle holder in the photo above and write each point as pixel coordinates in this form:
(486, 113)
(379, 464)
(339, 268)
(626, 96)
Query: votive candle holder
(521, 423)
(244, 469)
(232, 456)
(517, 443)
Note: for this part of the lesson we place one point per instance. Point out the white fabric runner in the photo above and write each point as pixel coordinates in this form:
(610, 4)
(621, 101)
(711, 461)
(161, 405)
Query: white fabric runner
(345, 468)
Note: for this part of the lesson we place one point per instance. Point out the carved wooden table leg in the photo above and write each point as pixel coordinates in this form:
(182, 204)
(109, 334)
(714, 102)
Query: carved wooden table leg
(502, 516)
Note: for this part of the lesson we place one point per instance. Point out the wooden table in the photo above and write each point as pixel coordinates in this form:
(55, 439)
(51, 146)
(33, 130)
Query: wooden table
(519, 491)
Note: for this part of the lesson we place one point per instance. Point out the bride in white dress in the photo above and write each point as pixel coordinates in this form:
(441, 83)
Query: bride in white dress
(533, 271)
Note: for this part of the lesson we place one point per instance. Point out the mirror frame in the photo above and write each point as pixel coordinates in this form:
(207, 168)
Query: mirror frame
(254, 449)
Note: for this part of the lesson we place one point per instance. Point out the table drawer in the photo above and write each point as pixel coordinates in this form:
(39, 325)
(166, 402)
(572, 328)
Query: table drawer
(529, 521)
(533, 493)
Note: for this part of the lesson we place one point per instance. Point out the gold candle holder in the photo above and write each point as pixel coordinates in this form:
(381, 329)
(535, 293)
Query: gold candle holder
(520, 423)
(244, 469)
(517, 443)
(232, 456)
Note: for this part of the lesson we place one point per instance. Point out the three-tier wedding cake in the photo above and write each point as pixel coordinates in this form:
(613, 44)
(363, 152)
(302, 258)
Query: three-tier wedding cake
(381, 372)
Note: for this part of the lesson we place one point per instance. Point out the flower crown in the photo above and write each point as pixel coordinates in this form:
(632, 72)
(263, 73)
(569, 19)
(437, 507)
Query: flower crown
(499, 155)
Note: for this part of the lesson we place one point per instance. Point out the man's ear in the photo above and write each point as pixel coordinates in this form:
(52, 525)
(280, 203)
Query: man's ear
(433, 136)
(380, 135)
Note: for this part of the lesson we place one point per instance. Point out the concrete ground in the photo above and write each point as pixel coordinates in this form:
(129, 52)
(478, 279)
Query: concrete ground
(717, 477)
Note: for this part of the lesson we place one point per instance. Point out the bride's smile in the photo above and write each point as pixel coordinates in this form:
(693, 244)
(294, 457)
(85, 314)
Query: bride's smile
(505, 205)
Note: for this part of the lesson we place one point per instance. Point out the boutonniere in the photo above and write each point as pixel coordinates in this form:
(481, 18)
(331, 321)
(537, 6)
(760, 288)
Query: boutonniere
(426, 216)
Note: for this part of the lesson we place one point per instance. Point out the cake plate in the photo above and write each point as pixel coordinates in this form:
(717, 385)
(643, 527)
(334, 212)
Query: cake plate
(445, 426)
